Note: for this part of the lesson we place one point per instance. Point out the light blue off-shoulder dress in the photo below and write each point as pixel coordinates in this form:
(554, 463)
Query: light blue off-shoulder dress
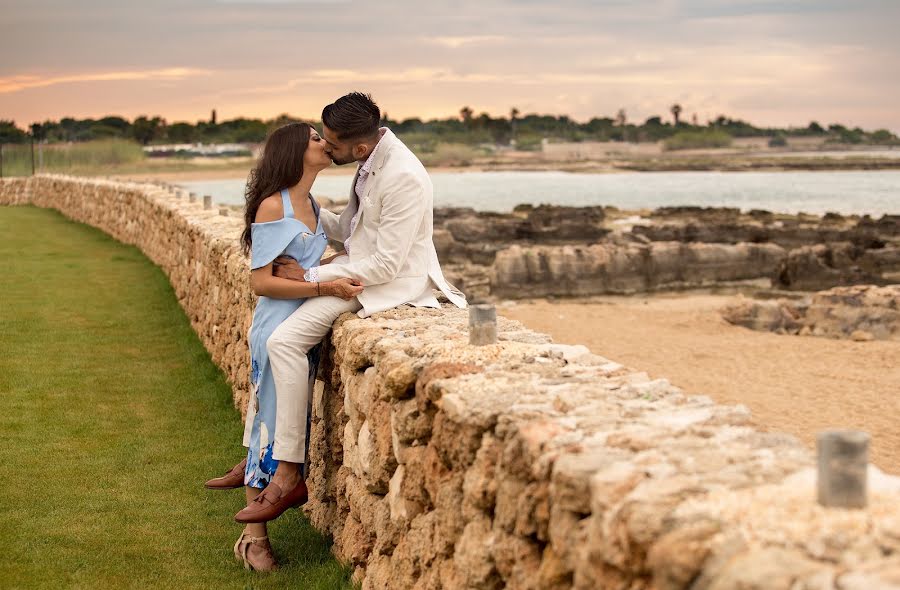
(283, 237)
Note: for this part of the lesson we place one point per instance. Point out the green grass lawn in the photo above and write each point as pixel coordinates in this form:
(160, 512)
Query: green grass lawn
(113, 415)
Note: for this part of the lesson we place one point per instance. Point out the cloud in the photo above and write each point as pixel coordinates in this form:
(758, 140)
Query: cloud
(283, 1)
(457, 42)
(765, 60)
(22, 82)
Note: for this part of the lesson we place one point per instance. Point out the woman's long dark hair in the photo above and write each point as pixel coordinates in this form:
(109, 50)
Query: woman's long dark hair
(280, 166)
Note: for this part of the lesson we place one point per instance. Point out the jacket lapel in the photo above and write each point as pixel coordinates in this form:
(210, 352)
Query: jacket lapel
(353, 205)
(351, 208)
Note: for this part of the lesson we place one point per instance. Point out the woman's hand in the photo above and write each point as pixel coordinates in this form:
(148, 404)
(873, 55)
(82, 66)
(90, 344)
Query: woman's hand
(346, 289)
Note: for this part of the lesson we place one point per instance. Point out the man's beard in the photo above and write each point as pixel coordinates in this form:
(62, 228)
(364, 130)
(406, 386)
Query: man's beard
(341, 162)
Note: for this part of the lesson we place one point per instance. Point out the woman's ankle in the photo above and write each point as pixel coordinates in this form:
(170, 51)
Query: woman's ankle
(256, 529)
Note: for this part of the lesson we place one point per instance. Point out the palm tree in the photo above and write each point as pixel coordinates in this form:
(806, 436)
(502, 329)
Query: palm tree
(676, 112)
(465, 114)
(513, 113)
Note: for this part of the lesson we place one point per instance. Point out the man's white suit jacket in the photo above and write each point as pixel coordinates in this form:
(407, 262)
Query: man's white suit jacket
(392, 252)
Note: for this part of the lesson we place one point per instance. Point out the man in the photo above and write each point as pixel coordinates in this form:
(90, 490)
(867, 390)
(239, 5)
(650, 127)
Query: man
(386, 231)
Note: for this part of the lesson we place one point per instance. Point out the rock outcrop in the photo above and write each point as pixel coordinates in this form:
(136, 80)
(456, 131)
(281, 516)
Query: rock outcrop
(860, 312)
(811, 268)
(626, 268)
(490, 254)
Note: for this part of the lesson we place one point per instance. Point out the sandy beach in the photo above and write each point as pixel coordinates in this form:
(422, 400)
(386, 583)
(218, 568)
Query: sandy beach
(795, 384)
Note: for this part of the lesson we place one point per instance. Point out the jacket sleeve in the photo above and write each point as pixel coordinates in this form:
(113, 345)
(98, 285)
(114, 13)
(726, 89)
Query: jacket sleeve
(402, 213)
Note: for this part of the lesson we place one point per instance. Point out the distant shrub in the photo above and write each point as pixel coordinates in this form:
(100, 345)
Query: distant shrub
(529, 142)
(449, 154)
(778, 141)
(704, 138)
(884, 137)
(420, 143)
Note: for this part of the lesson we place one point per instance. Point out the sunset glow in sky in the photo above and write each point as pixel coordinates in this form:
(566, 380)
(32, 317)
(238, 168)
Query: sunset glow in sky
(772, 62)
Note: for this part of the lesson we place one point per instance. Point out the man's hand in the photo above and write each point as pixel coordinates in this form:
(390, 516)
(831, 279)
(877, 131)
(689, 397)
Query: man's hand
(286, 267)
(330, 259)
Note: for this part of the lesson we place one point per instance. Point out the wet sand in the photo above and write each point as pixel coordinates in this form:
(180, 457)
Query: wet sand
(795, 384)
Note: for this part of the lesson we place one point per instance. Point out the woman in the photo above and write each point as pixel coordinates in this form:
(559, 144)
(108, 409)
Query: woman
(282, 219)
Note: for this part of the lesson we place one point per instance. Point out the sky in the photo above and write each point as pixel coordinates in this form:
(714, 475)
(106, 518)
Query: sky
(771, 62)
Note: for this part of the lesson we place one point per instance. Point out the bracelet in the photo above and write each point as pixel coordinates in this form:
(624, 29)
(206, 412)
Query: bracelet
(318, 288)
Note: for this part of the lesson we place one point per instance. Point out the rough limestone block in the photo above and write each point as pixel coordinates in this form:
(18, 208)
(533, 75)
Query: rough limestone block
(363, 505)
(415, 552)
(480, 483)
(518, 560)
(554, 574)
(351, 450)
(378, 574)
(379, 461)
(402, 509)
(413, 483)
(397, 375)
(570, 487)
(358, 393)
(410, 425)
(318, 401)
(770, 568)
(366, 452)
(567, 532)
(473, 559)
(355, 542)
(448, 510)
(677, 557)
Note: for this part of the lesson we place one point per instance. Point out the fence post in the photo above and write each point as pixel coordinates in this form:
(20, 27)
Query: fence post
(843, 467)
(482, 324)
(1, 160)
(32, 154)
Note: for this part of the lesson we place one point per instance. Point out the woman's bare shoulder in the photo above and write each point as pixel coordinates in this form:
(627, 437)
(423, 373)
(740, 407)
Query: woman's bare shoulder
(270, 209)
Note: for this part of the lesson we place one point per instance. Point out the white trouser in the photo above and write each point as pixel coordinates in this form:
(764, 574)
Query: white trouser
(287, 347)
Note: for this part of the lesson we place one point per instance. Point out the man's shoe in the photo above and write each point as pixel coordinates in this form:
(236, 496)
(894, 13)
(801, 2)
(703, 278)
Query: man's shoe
(231, 480)
(272, 502)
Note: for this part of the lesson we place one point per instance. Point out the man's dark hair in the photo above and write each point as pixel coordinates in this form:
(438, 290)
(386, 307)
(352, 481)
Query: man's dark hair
(353, 116)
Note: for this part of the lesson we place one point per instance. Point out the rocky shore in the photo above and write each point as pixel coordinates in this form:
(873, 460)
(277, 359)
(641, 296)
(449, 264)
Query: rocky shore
(860, 312)
(568, 251)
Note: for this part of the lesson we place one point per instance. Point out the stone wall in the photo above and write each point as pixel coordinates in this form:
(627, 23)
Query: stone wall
(437, 465)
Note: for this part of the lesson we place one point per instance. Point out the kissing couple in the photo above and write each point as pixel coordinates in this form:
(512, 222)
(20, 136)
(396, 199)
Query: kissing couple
(388, 260)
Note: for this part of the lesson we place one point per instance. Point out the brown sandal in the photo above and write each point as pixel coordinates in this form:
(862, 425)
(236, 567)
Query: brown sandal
(263, 561)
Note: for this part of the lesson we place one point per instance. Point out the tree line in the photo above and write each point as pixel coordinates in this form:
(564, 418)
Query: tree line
(525, 131)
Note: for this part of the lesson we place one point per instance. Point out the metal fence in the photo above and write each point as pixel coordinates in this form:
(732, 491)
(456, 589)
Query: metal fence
(17, 159)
